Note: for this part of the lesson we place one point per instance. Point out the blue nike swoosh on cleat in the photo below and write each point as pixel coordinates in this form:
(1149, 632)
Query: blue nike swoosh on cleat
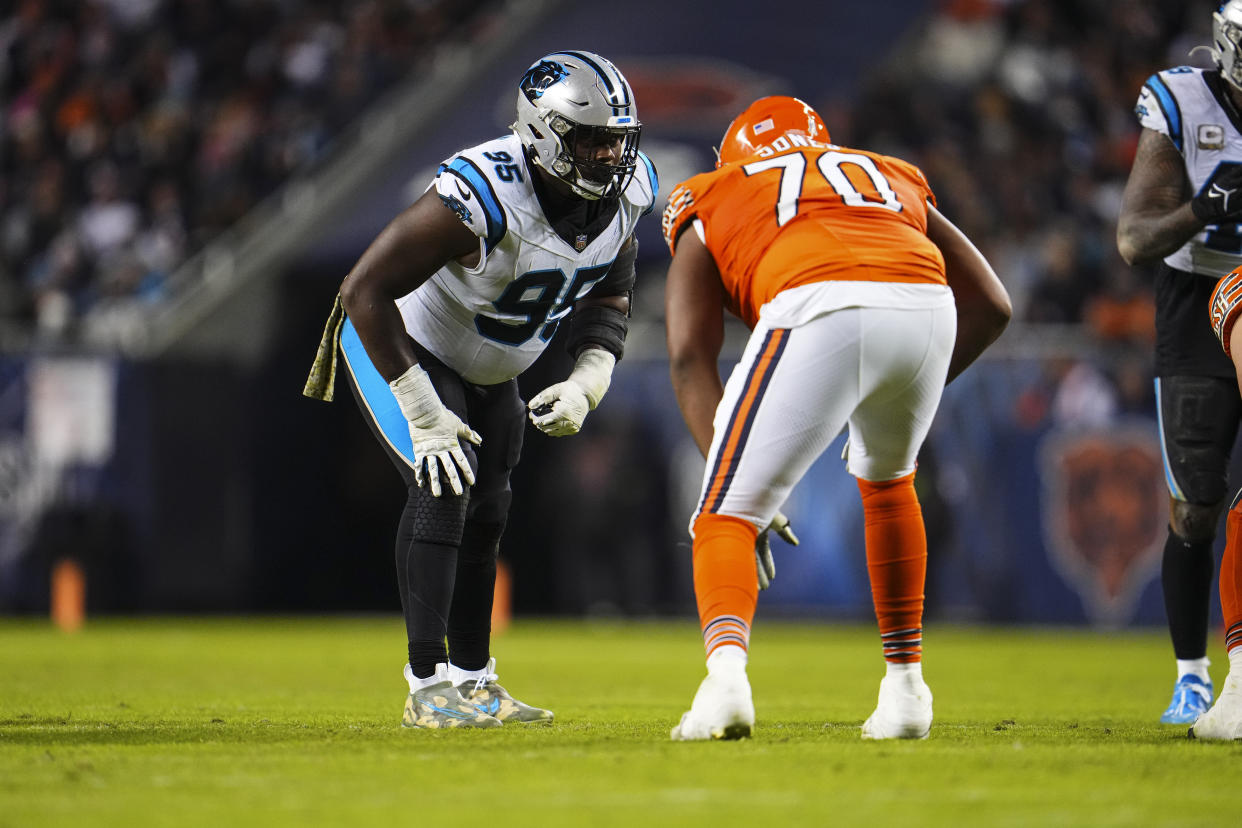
(489, 708)
(456, 714)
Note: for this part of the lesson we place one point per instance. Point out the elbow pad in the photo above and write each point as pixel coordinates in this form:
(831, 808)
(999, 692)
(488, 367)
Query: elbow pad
(600, 326)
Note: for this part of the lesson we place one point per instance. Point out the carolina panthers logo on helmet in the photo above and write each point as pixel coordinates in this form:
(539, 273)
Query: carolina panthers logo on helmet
(540, 76)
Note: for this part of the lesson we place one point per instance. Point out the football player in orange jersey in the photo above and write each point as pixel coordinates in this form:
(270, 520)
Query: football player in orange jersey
(1224, 719)
(848, 278)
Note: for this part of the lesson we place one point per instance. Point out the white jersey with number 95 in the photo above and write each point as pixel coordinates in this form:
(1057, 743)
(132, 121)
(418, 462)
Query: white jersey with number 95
(490, 322)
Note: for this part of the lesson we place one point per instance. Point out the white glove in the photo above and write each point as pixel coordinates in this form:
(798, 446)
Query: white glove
(765, 567)
(434, 431)
(559, 410)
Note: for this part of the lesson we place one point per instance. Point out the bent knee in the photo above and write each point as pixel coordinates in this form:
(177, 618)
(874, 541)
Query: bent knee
(1194, 522)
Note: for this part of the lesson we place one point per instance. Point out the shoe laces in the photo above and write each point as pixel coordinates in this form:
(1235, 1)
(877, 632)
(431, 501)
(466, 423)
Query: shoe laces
(488, 676)
(1187, 689)
(1200, 691)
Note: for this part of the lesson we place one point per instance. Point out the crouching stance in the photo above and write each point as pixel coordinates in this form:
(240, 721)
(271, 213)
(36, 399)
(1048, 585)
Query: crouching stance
(456, 298)
(1224, 719)
(836, 260)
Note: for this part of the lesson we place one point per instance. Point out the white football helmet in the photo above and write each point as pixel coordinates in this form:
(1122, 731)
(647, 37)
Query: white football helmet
(1227, 41)
(569, 105)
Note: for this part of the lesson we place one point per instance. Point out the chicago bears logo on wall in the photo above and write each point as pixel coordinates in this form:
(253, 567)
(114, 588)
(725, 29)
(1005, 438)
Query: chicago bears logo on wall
(1104, 515)
(540, 77)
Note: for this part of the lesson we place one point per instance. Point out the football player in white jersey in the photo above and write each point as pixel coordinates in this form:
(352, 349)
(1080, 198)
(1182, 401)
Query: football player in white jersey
(1183, 207)
(451, 302)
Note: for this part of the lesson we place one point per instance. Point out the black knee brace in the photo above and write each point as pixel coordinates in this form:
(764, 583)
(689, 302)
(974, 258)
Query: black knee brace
(1194, 522)
(436, 519)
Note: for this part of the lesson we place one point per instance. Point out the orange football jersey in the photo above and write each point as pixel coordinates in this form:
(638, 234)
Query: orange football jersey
(813, 213)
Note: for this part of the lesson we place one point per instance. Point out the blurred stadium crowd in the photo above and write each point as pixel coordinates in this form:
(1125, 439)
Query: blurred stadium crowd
(1021, 114)
(133, 131)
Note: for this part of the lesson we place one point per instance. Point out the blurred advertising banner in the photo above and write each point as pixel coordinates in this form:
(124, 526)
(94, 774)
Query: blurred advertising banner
(72, 405)
(188, 488)
(57, 439)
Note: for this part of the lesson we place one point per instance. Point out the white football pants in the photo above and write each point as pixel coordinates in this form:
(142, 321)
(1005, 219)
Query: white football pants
(879, 369)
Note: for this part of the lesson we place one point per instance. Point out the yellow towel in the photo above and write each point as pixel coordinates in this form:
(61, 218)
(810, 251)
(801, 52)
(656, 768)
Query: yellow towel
(322, 380)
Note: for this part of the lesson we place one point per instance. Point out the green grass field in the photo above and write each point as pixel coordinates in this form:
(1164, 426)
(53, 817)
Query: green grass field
(275, 721)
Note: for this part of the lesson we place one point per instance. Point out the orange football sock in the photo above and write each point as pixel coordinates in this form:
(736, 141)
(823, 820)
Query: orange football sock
(725, 583)
(897, 563)
(1231, 579)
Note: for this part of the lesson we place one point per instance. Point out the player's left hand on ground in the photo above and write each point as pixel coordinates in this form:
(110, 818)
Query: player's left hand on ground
(559, 409)
(765, 567)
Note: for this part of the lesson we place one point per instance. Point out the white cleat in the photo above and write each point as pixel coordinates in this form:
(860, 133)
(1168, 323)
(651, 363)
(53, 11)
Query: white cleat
(904, 709)
(722, 709)
(1224, 719)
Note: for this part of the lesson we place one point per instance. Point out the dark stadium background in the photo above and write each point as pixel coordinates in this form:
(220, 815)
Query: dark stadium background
(151, 423)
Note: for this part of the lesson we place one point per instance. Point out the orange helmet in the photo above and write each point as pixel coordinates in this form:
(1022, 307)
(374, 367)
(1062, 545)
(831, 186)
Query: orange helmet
(765, 121)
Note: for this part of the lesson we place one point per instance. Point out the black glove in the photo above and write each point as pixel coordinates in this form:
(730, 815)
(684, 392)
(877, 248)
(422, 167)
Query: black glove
(1220, 200)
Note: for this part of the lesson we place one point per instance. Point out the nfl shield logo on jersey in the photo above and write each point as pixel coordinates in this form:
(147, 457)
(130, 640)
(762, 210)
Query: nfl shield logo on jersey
(580, 242)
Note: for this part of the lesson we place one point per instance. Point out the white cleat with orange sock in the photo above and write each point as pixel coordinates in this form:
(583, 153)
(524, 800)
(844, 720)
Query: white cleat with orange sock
(1224, 719)
(904, 709)
(722, 708)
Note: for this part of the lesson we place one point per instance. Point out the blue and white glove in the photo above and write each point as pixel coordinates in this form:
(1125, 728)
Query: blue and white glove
(434, 432)
(765, 567)
(559, 409)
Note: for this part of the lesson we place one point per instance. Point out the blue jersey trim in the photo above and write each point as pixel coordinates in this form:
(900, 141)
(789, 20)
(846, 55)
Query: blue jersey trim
(1169, 479)
(1168, 105)
(497, 225)
(652, 178)
(377, 397)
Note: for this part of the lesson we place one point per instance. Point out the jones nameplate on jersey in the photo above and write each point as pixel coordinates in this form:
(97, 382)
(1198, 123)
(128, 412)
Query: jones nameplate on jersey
(1211, 136)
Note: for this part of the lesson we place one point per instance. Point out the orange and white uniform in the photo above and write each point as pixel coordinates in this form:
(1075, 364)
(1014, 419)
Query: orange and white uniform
(815, 213)
(823, 253)
(1224, 310)
(1225, 307)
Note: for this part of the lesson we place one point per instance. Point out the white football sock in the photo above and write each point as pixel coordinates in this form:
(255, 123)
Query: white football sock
(727, 658)
(458, 676)
(416, 683)
(913, 669)
(1195, 667)
(1235, 660)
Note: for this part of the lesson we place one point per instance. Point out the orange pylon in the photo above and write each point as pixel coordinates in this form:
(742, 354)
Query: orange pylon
(68, 597)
